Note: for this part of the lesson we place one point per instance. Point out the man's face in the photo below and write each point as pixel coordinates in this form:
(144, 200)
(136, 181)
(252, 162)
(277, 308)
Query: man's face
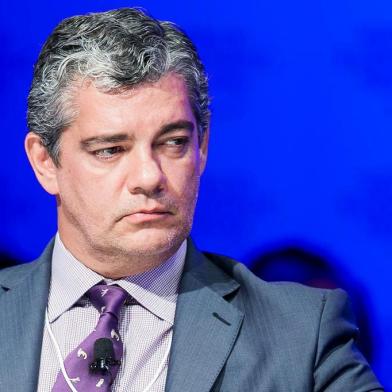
(129, 171)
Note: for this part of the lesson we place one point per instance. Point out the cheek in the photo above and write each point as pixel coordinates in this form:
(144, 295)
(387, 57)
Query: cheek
(183, 180)
(80, 190)
(186, 196)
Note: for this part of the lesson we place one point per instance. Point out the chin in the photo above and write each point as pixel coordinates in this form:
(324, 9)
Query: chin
(153, 243)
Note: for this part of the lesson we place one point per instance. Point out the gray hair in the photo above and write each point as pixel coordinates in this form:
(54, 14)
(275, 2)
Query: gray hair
(117, 50)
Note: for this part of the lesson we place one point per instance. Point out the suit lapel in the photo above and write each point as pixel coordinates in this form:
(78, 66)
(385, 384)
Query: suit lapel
(205, 327)
(23, 298)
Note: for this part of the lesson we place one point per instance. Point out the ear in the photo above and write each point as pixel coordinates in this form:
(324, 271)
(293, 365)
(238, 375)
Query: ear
(44, 168)
(204, 149)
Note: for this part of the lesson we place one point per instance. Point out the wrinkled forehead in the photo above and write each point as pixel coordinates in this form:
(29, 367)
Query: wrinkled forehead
(93, 97)
(148, 108)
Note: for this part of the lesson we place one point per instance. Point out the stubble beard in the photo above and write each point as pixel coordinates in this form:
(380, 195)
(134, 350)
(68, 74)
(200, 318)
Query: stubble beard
(111, 249)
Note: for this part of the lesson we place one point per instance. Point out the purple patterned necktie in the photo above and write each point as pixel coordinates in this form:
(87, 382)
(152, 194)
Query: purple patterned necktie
(108, 300)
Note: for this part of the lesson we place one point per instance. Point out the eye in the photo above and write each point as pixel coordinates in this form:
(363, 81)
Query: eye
(177, 142)
(107, 153)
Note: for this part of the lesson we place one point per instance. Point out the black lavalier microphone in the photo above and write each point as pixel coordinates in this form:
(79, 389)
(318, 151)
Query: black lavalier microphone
(103, 357)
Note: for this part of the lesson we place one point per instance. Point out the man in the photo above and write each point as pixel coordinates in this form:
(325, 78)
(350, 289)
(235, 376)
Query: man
(119, 120)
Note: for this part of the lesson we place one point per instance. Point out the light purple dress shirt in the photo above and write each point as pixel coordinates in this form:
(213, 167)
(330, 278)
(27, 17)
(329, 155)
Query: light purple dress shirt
(145, 324)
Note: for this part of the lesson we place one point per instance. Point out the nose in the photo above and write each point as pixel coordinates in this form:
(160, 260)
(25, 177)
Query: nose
(145, 176)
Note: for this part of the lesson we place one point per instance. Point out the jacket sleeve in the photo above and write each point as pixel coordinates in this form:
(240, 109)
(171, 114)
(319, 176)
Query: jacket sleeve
(339, 366)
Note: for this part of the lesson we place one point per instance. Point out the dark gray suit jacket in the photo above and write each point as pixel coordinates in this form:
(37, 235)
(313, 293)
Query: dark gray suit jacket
(233, 332)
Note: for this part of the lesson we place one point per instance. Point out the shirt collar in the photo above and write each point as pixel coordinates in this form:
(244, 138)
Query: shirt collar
(156, 289)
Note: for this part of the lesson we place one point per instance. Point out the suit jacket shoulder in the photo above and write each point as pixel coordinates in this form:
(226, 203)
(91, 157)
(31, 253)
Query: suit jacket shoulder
(17, 274)
(293, 337)
(23, 298)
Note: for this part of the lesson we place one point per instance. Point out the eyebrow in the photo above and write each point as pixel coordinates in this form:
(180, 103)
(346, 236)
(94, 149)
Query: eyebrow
(182, 124)
(121, 137)
(104, 139)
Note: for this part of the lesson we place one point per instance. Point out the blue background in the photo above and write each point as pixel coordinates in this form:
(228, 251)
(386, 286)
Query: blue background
(300, 138)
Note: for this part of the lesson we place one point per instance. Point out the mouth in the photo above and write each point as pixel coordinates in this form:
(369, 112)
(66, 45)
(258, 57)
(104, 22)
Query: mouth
(146, 215)
(152, 211)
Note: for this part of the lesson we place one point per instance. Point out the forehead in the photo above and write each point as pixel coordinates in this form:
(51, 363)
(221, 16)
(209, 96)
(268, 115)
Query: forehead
(147, 106)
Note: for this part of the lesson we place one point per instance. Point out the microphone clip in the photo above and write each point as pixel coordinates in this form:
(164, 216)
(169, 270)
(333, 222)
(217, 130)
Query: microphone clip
(102, 365)
(103, 357)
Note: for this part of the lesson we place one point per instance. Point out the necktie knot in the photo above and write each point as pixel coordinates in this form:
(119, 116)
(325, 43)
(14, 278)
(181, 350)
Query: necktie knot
(107, 299)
